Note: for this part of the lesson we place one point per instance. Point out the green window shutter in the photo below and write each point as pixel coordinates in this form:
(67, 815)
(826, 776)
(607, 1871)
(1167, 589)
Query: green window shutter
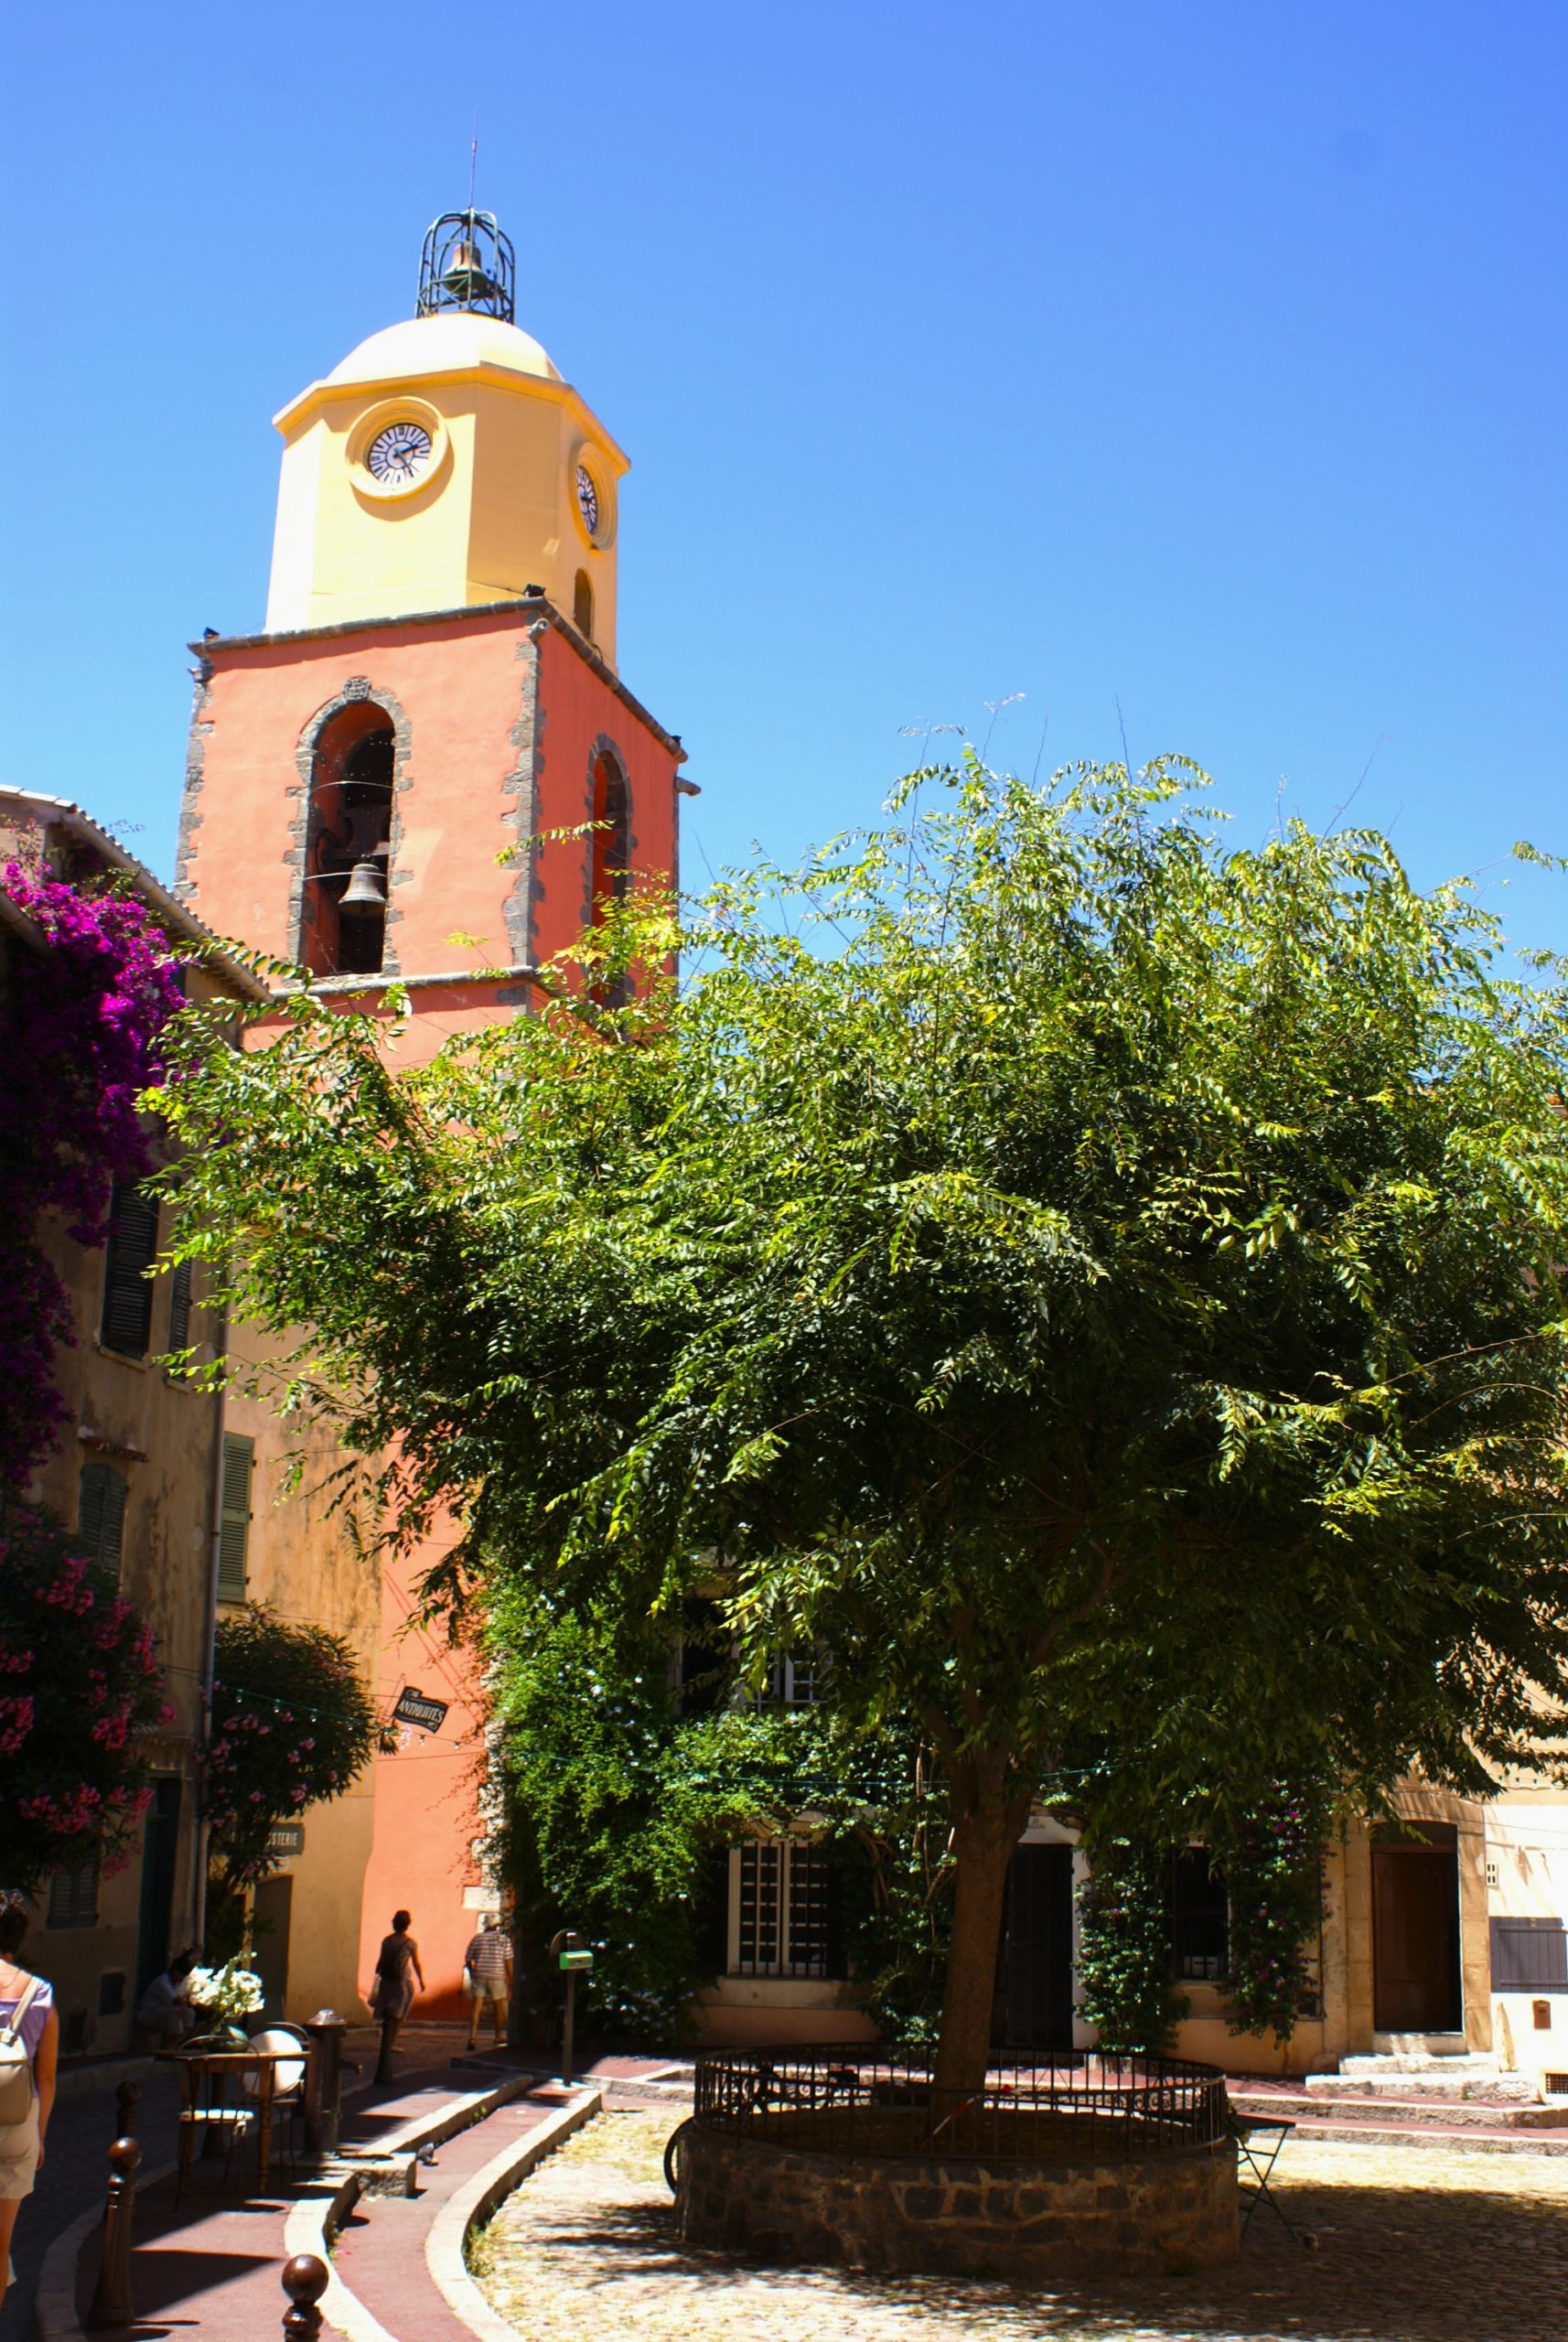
(73, 1896)
(127, 1295)
(234, 1527)
(179, 1307)
(101, 1514)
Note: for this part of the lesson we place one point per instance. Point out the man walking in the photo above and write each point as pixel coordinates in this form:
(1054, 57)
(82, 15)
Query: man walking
(487, 1972)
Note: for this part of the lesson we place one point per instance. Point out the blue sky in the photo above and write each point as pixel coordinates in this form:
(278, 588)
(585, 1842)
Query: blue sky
(1203, 360)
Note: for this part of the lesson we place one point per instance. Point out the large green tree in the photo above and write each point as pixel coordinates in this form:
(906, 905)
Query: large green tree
(1104, 1284)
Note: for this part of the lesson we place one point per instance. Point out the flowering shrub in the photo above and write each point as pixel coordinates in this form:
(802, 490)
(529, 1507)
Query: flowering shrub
(78, 1683)
(291, 1724)
(1274, 1869)
(78, 1044)
(1124, 1952)
(230, 1991)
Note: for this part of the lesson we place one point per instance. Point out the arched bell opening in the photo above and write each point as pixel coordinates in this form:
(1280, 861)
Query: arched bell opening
(583, 605)
(348, 843)
(609, 880)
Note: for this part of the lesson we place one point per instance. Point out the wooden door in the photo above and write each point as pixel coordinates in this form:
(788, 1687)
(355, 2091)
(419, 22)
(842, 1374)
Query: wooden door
(1035, 2004)
(273, 1909)
(1416, 1933)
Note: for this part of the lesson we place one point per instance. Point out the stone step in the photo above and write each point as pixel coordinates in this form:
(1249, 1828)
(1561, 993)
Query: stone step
(1472, 2083)
(1475, 2140)
(1421, 2061)
(1423, 2113)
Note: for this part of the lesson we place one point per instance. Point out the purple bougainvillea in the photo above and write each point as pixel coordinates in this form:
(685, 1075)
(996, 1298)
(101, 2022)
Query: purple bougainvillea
(79, 1035)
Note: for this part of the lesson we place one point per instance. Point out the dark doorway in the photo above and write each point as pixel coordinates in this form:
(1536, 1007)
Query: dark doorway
(160, 1845)
(1034, 2006)
(1415, 1930)
(273, 1910)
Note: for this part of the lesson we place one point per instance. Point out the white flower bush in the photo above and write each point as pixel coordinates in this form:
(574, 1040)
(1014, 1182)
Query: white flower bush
(230, 1991)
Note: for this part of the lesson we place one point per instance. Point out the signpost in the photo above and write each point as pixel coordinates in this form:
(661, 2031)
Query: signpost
(571, 1956)
(412, 1707)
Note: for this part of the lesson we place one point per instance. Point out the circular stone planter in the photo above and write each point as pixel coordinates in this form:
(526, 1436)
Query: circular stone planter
(1168, 2213)
(1076, 2166)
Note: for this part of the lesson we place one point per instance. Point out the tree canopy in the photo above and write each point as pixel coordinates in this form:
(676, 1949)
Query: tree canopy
(1103, 1283)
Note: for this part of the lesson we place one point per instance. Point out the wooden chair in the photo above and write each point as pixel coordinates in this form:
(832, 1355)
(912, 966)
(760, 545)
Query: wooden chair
(205, 2107)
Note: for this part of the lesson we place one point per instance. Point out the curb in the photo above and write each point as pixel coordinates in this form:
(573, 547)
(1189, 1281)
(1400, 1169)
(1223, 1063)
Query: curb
(446, 2245)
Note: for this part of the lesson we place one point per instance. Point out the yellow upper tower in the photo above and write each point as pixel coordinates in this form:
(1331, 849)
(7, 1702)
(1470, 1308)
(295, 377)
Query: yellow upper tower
(445, 463)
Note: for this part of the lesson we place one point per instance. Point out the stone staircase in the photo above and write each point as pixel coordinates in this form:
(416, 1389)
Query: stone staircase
(1412, 2098)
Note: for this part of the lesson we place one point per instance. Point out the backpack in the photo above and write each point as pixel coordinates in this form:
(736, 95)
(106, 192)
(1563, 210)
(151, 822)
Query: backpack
(15, 2066)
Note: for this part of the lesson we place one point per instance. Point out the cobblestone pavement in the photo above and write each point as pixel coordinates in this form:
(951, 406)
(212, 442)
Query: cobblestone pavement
(1413, 2246)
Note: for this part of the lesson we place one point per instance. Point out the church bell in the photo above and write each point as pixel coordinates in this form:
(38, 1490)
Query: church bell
(365, 893)
(464, 277)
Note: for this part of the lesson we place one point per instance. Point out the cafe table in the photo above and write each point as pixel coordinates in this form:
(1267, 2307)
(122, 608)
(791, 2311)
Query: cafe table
(214, 2085)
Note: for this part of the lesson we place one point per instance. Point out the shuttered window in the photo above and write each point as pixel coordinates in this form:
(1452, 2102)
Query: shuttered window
(127, 1293)
(73, 1896)
(101, 1514)
(234, 1528)
(179, 1307)
(1529, 1956)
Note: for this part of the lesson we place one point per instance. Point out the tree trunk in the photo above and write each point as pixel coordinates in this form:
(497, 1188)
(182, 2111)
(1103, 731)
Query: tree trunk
(986, 1822)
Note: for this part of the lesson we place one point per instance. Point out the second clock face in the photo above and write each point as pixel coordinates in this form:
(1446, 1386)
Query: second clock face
(588, 500)
(398, 454)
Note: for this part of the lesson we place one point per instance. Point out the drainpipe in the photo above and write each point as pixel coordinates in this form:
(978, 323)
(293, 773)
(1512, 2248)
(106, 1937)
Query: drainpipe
(209, 1649)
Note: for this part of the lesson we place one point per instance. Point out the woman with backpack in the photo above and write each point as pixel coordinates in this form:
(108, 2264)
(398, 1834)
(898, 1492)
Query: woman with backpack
(29, 2045)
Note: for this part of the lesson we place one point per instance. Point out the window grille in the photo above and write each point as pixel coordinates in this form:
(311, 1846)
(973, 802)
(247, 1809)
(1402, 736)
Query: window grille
(234, 1528)
(101, 1514)
(128, 1294)
(782, 1888)
(1200, 1918)
(73, 1896)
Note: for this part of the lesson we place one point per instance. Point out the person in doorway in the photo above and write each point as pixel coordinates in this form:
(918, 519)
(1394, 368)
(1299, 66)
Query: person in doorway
(487, 1976)
(391, 1996)
(163, 2011)
(26, 2014)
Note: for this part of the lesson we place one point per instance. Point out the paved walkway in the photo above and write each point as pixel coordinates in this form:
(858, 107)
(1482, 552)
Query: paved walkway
(1413, 2246)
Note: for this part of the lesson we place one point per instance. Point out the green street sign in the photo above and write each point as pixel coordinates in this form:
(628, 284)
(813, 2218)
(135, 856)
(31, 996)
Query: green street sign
(576, 1960)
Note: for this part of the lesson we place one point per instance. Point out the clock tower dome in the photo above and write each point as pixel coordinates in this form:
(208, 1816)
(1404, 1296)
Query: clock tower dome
(445, 464)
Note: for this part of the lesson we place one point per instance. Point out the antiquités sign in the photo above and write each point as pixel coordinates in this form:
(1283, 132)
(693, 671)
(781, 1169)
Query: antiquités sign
(412, 1707)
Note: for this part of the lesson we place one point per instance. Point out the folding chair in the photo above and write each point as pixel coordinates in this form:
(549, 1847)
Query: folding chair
(1258, 2140)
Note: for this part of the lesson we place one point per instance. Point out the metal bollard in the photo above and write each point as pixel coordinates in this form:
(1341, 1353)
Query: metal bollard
(323, 2081)
(127, 2097)
(304, 2280)
(111, 2304)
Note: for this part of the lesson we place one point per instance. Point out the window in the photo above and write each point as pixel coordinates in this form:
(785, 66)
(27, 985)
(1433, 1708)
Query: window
(101, 1514)
(179, 1307)
(128, 1294)
(583, 605)
(779, 1893)
(794, 1679)
(343, 917)
(234, 1528)
(611, 835)
(1529, 1956)
(73, 1896)
(1200, 1918)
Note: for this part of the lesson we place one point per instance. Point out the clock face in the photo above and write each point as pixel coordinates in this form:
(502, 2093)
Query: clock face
(397, 456)
(588, 501)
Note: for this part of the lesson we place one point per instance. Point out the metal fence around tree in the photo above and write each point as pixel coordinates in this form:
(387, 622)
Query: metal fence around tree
(1056, 2106)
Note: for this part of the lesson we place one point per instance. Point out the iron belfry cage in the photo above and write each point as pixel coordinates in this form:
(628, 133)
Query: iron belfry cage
(467, 263)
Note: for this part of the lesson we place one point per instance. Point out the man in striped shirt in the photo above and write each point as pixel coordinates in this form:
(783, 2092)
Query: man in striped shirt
(487, 1973)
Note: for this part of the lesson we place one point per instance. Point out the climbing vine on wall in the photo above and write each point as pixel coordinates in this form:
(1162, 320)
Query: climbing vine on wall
(1273, 1863)
(80, 1026)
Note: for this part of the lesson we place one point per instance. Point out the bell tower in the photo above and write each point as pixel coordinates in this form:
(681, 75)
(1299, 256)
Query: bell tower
(375, 780)
(445, 463)
(424, 770)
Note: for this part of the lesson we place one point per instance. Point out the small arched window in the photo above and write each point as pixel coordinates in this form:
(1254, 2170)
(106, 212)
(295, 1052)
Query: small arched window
(348, 843)
(611, 878)
(583, 605)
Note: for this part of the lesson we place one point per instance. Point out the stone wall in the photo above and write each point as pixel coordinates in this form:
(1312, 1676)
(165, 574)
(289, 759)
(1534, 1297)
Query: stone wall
(1167, 2213)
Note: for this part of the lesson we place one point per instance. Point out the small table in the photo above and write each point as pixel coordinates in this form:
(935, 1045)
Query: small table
(204, 2067)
